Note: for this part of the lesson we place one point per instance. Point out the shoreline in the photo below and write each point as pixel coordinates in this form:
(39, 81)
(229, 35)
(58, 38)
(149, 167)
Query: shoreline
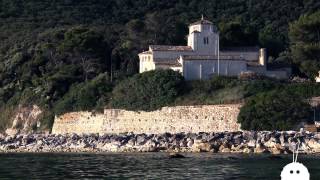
(225, 142)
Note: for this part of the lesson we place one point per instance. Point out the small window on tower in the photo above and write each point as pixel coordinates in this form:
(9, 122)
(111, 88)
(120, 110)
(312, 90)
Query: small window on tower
(206, 40)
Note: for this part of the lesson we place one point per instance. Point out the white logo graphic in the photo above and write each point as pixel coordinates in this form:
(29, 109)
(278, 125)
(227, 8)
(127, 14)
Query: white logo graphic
(295, 170)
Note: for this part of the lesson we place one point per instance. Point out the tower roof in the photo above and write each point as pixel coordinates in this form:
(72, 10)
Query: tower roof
(202, 21)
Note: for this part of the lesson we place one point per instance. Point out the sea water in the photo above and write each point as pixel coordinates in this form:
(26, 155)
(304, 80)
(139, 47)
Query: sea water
(149, 166)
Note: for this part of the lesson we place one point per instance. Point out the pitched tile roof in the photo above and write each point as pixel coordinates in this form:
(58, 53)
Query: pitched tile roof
(146, 52)
(170, 48)
(167, 61)
(241, 49)
(202, 57)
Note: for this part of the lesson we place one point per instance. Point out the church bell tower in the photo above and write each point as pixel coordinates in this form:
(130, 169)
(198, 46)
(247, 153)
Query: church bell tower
(204, 37)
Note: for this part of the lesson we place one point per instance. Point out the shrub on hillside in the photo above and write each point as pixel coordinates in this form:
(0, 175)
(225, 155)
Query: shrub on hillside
(217, 90)
(85, 96)
(306, 90)
(274, 111)
(147, 91)
(219, 82)
(254, 87)
(208, 86)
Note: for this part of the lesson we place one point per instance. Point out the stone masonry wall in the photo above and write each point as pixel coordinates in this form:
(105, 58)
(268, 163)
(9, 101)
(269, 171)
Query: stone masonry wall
(208, 118)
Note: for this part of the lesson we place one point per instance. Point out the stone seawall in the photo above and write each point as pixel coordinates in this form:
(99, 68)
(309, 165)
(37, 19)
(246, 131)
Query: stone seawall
(190, 119)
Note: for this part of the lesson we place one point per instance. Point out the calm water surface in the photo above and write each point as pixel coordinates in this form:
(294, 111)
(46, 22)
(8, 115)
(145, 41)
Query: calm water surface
(148, 166)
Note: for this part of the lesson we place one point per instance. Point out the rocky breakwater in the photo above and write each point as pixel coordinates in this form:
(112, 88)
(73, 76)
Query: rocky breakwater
(227, 142)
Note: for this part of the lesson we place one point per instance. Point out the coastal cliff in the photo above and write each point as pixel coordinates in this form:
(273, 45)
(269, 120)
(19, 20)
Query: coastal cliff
(25, 120)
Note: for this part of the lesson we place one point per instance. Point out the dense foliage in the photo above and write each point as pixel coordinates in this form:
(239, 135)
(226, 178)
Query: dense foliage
(271, 105)
(305, 43)
(148, 91)
(94, 94)
(274, 111)
(217, 90)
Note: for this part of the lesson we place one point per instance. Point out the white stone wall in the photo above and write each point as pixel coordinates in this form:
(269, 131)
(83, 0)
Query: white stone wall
(210, 118)
(211, 47)
(193, 40)
(249, 56)
(147, 66)
(205, 69)
(146, 63)
(165, 55)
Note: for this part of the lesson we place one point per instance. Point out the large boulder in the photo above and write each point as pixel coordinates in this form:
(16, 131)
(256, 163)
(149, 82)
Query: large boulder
(247, 150)
(201, 147)
(260, 149)
(314, 145)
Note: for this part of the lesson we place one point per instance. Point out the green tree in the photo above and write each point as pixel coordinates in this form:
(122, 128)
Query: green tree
(235, 34)
(269, 38)
(274, 111)
(85, 47)
(305, 43)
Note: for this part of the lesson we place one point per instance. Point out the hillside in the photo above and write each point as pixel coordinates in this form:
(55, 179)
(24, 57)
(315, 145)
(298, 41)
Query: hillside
(69, 55)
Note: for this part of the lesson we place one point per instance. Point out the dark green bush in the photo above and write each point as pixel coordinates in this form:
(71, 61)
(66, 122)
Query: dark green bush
(257, 86)
(275, 110)
(219, 82)
(218, 90)
(305, 90)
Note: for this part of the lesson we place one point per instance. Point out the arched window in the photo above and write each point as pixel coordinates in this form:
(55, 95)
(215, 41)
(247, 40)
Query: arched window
(206, 40)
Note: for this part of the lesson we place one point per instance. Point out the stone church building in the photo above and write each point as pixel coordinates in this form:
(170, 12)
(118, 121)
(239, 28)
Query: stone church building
(202, 58)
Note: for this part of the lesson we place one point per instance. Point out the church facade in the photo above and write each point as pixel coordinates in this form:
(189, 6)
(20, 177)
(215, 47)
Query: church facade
(202, 58)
